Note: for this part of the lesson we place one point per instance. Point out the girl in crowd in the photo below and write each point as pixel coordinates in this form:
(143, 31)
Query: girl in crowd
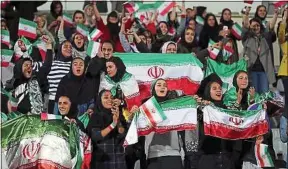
(163, 150)
(78, 42)
(162, 36)
(210, 31)
(107, 130)
(188, 42)
(121, 83)
(56, 10)
(60, 67)
(42, 28)
(257, 52)
(79, 87)
(226, 20)
(201, 13)
(169, 47)
(90, 20)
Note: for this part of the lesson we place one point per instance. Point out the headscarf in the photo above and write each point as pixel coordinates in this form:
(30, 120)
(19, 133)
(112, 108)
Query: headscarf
(59, 55)
(169, 95)
(170, 23)
(81, 49)
(71, 74)
(73, 111)
(113, 28)
(211, 31)
(224, 22)
(165, 45)
(212, 77)
(208, 97)
(158, 30)
(18, 74)
(188, 46)
(121, 68)
(200, 10)
(89, 19)
(52, 9)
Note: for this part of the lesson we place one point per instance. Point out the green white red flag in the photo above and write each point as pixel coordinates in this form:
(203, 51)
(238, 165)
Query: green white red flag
(5, 37)
(93, 48)
(46, 116)
(181, 115)
(6, 56)
(95, 34)
(67, 19)
(234, 124)
(132, 6)
(82, 29)
(263, 156)
(164, 7)
(227, 52)
(236, 30)
(41, 45)
(248, 3)
(214, 52)
(27, 28)
(200, 20)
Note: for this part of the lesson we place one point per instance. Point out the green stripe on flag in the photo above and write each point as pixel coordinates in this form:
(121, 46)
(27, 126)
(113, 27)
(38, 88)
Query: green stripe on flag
(143, 59)
(179, 103)
(271, 163)
(158, 107)
(241, 113)
(5, 32)
(7, 52)
(27, 22)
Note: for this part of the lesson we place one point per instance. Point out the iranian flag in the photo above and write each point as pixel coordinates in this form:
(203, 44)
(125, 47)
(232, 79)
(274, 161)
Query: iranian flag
(132, 7)
(164, 7)
(6, 56)
(214, 52)
(41, 45)
(234, 124)
(141, 16)
(27, 28)
(181, 115)
(279, 3)
(95, 34)
(248, 3)
(181, 71)
(41, 146)
(153, 112)
(46, 116)
(227, 52)
(225, 72)
(236, 30)
(28, 46)
(82, 29)
(263, 156)
(5, 37)
(93, 48)
(67, 19)
(200, 20)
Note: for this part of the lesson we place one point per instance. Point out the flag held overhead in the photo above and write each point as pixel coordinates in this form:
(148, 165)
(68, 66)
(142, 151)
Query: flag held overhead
(27, 28)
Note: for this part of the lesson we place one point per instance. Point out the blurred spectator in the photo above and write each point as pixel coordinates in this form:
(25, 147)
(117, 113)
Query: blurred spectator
(56, 10)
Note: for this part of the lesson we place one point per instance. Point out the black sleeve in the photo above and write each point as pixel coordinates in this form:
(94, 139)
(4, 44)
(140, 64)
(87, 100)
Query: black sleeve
(45, 69)
(95, 66)
(203, 40)
(142, 47)
(61, 89)
(201, 55)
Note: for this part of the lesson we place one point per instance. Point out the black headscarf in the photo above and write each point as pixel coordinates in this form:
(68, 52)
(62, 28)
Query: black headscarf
(18, 76)
(209, 32)
(59, 55)
(52, 9)
(224, 22)
(200, 10)
(170, 23)
(212, 77)
(256, 13)
(81, 49)
(188, 46)
(114, 28)
(244, 101)
(208, 97)
(169, 95)
(121, 68)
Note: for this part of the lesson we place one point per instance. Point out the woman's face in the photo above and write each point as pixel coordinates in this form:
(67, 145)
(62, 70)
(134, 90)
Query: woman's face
(106, 100)
(67, 49)
(107, 50)
(163, 28)
(227, 15)
(262, 12)
(27, 69)
(79, 18)
(189, 35)
(111, 69)
(171, 48)
(89, 11)
(78, 67)
(3, 25)
(255, 27)
(192, 24)
(64, 105)
(161, 88)
(40, 22)
(58, 9)
(22, 45)
(79, 40)
(216, 91)
(211, 21)
(242, 80)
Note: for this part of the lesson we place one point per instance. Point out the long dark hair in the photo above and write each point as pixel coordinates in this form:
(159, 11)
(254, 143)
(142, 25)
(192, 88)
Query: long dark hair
(256, 13)
(52, 9)
(244, 101)
(262, 29)
(226, 23)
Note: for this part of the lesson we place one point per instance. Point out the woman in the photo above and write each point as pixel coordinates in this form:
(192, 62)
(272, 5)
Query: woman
(162, 36)
(79, 87)
(257, 52)
(188, 42)
(192, 24)
(42, 28)
(60, 67)
(240, 96)
(163, 150)
(90, 20)
(226, 20)
(216, 153)
(122, 84)
(169, 47)
(107, 130)
(56, 10)
(210, 31)
(78, 42)
(200, 15)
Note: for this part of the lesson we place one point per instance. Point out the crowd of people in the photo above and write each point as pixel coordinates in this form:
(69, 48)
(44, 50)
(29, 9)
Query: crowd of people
(68, 82)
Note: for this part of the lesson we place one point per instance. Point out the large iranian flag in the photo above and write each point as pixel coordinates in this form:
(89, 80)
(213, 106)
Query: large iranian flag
(225, 72)
(5, 37)
(181, 115)
(234, 124)
(27, 28)
(181, 71)
(43, 144)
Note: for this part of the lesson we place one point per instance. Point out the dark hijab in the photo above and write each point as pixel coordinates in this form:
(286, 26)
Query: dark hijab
(169, 95)
(170, 23)
(200, 10)
(121, 68)
(207, 95)
(59, 55)
(18, 77)
(224, 22)
(189, 46)
(256, 13)
(53, 7)
(81, 49)
(244, 101)
(209, 32)
(113, 28)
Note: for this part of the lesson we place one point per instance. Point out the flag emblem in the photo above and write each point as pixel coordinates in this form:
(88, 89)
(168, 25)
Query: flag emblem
(155, 72)
(30, 150)
(236, 120)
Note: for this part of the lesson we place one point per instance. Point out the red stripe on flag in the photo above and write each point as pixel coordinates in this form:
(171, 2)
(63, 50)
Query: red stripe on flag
(6, 43)
(259, 156)
(4, 64)
(26, 34)
(96, 37)
(212, 55)
(249, 1)
(167, 9)
(224, 131)
(129, 7)
(133, 100)
(43, 54)
(148, 114)
(44, 116)
(68, 24)
(236, 34)
(229, 49)
(278, 4)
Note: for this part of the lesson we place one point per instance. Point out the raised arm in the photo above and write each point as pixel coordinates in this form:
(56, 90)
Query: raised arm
(124, 42)
(274, 19)
(283, 24)
(246, 23)
(97, 13)
(45, 69)
(181, 28)
(61, 36)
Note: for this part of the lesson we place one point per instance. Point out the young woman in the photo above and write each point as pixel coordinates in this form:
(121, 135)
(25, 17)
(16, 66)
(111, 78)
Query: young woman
(188, 42)
(210, 31)
(169, 47)
(163, 150)
(257, 52)
(122, 84)
(79, 87)
(201, 13)
(90, 20)
(56, 10)
(107, 130)
(42, 28)
(162, 36)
